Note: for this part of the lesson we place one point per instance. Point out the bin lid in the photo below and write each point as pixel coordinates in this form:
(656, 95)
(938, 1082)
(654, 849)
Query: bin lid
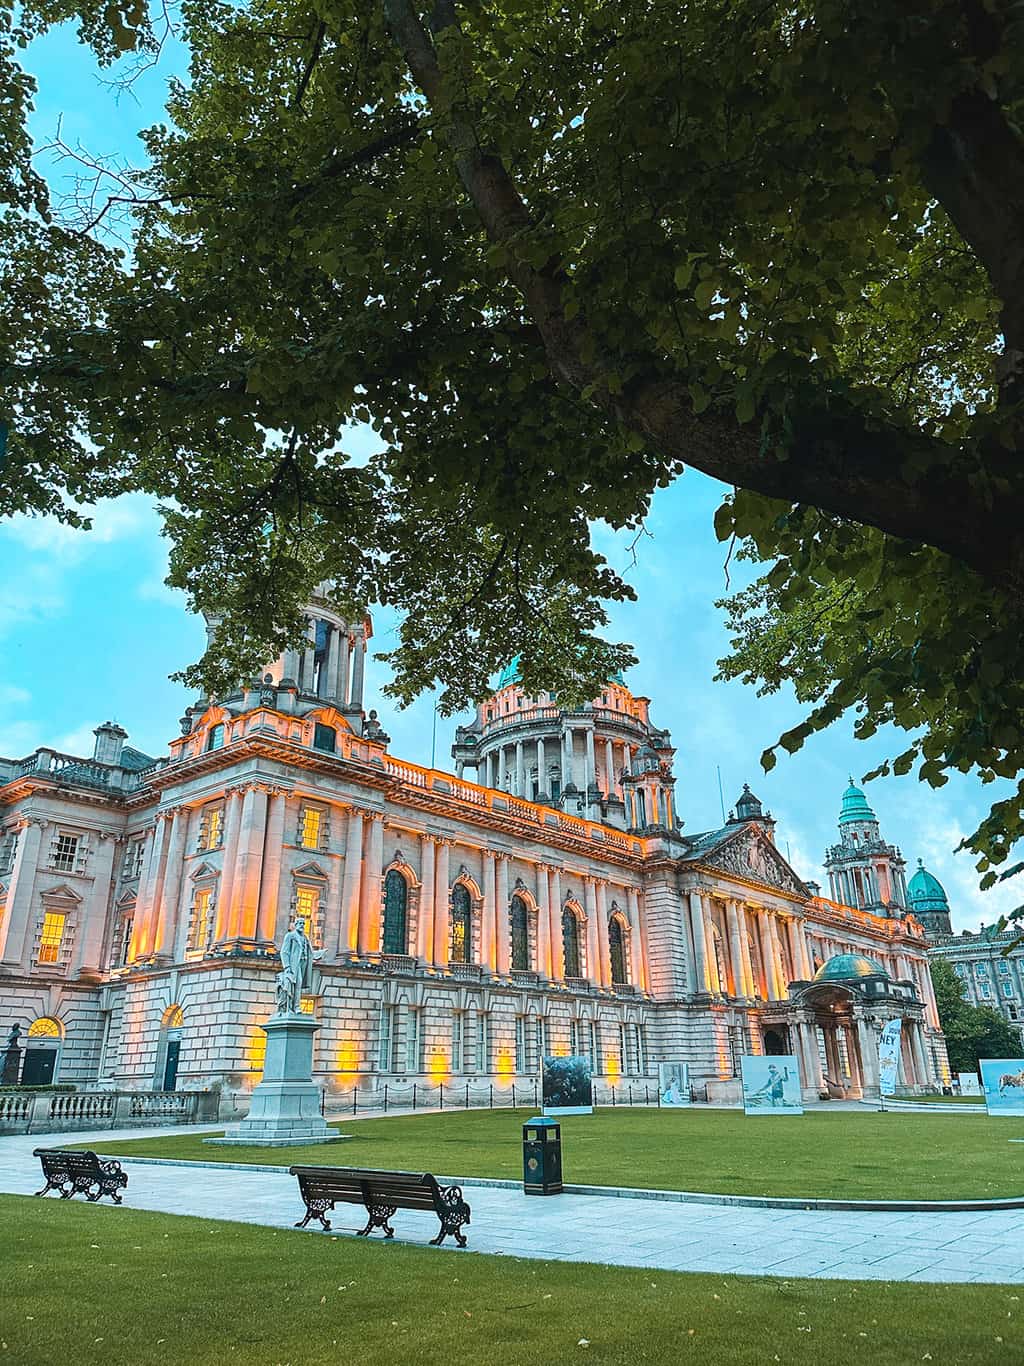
(543, 1119)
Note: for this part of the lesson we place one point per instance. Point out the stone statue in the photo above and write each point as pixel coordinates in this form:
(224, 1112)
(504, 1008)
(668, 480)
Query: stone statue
(296, 975)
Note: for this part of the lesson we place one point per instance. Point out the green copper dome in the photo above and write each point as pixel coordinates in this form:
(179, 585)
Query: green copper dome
(847, 967)
(855, 806)
(926, 893)
(510, 675)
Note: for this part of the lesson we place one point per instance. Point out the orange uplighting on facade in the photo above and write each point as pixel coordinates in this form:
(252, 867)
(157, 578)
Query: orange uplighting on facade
(505, 1065)
(347, 1056)
(612, 1070)
(437, 1067)
(256, 1053)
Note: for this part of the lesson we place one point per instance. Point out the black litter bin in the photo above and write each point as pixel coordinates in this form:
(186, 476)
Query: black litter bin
(542, 1157)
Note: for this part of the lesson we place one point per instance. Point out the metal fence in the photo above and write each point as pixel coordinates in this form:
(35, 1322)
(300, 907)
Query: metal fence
(455, 1095)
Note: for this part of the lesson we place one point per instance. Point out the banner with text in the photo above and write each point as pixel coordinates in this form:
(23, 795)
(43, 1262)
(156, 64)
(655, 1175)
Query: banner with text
(889, 1056)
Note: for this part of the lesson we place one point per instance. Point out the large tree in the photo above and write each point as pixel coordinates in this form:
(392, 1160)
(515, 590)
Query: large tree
(552, 254)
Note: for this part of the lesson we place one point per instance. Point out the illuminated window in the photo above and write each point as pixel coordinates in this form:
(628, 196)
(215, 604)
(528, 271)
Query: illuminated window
(64, 852)
(51, 936)
(308, 1005)
(211, 828)
(200, 932)
(462, 919)
(310, 821)
(44, 1028)
(307, 906)
(215, 739)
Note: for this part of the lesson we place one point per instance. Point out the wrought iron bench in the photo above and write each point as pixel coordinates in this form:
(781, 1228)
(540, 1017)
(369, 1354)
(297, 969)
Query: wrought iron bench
(69, 1172)
(381, 1194)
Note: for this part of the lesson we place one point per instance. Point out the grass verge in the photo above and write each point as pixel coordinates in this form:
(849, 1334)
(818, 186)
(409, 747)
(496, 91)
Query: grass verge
(98, 1286)
(837, 1155)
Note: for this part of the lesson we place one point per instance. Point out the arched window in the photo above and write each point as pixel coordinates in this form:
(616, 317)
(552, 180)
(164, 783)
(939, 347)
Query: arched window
(462, 921)
(520, 935)
(325, 738)
(396, 896)
(215, 739)
(571, 944)
(44, 1028)
(617, 951)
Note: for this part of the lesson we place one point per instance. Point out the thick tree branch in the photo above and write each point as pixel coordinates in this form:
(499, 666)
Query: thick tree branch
(835, 462)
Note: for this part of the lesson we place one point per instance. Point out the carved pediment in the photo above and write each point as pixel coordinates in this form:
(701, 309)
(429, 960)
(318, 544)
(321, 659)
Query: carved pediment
(310, 870)
(62, 893)
(751, 855)
(204, 870)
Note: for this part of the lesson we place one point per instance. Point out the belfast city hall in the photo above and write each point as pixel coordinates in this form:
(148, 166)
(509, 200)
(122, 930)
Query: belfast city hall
(542, 897)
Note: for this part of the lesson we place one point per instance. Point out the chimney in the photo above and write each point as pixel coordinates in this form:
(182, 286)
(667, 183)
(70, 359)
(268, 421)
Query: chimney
(110, 738)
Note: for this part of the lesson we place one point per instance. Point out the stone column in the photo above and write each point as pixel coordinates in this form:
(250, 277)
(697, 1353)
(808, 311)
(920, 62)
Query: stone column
(351, 884)
(555, 915)
(425, 920)
(771, 971)
(501, 898)
(567, 759)
(542, 778)
(442, 904)
(489, 926)
(609, 768)
(604, 950)
(245, 896)
(736, 950)
(798, 948)
(502, 771)
(290, 665)
(543, 963)
(808, 1034)
(344, 668)
(856, 1080)
(166, 909)
(358, 665)
(921, 1053)
(330, 685)
(835, 1069)
(89, 949)
(369, 905)
(270, 882)
(14, 923)
(868, 1041)
(700, 943)
(520, 770)
(309, 657)
(782, 978)
(232, 826)
(639, 934)
(144, 929)
(745, 960)
(711, 958)
(590, 776)
(593, 972)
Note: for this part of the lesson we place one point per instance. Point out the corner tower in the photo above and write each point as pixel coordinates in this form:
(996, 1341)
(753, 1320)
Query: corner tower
(863, 870)
(593, 762)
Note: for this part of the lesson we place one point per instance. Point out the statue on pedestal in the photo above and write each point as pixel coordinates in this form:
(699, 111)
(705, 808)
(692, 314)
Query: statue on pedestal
(296, 975)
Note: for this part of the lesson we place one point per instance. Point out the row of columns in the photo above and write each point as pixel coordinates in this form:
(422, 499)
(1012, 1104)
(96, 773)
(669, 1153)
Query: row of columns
(776, 936)
(249, 894)
(508, 767)
(341, 673)
(860, 1045)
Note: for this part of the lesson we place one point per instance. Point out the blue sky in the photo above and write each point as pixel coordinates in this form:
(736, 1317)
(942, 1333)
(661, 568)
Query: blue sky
(89, 631)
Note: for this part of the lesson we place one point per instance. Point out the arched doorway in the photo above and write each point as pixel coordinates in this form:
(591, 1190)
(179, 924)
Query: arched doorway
(776, 1042)
(169, 1049)
(42, 1052)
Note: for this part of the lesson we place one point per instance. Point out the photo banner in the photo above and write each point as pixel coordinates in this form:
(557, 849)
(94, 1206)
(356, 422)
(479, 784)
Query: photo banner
(969, 1083)
(771, 1085)
(889, 1056)
(674, 1083)
(1003, 1083)
(568, 1088)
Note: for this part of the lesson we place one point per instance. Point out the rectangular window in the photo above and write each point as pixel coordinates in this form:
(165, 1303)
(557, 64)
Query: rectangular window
(211, 829)
(457, 1041)
(64, 852)
(1007, 988)
(1003, 966)
(481, 1042)
(574, 1038)
(595, 1054)
(521, 1044)
(8, 849)
(412, 1040)
(133, 856)
(310, 820)
(307, 1004)
(201, 929)
(127, 925)
(986, 991)
(51, 937)
(307, 905)
(325, 738)
(543, 1040)
(384, 1051)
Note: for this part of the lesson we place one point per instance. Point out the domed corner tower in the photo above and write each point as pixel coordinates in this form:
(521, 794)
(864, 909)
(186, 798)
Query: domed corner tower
(328, 670)
(584, 761)
(863, 870)
(927, 900)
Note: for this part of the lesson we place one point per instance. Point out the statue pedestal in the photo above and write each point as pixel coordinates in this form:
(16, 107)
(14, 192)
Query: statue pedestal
(285, 1109)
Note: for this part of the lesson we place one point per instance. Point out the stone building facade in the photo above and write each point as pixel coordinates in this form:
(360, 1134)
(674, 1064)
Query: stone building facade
(463, 930)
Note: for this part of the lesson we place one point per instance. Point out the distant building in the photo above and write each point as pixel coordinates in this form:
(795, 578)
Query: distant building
(464, 929)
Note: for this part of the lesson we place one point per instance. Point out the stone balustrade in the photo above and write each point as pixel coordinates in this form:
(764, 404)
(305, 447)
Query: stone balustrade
(41, 1112)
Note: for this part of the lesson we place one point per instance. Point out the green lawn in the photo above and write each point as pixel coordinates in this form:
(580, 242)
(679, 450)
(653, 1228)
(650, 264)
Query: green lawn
(949, 1100)
(101, 1286)
(837, 1154)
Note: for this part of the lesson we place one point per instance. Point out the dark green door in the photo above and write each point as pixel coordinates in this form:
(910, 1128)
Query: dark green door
(39, 1065)
(171, 1065)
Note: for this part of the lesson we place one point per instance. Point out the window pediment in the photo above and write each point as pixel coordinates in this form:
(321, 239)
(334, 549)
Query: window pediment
(66, 895)
(204, 870)
(310, 872)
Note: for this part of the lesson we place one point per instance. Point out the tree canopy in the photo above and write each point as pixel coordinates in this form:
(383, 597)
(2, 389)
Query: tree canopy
(552, 254)
(972, 1032)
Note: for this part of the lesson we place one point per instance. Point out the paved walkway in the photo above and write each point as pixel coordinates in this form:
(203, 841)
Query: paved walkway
(672, 1236)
